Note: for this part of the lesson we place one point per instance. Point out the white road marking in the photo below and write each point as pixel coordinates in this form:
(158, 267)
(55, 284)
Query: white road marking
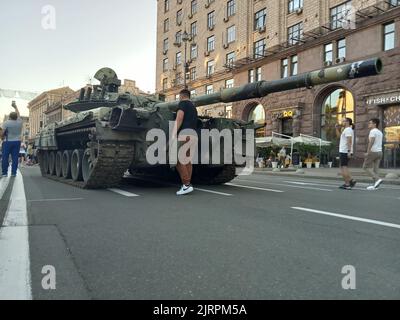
(253, 188)
(49, 200)
(286, 185)
(330, 184)
(123, 193)
(212, 191)
(337, 215)
(15, 276)
(3, 186)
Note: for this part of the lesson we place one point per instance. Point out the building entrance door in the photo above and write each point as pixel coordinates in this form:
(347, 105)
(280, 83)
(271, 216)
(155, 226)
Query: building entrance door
(391, 121)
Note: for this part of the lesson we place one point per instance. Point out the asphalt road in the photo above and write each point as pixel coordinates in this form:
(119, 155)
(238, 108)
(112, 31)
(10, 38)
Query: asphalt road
(261, 238)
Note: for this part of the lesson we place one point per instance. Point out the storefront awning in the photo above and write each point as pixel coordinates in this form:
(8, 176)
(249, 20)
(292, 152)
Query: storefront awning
(273, 141)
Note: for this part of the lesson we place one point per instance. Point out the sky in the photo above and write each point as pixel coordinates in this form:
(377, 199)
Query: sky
(53, 43)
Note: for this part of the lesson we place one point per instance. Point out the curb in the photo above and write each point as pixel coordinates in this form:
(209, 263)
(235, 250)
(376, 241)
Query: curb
(294, 175)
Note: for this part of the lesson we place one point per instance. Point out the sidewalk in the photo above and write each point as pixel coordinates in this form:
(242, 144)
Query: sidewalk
(390, 176)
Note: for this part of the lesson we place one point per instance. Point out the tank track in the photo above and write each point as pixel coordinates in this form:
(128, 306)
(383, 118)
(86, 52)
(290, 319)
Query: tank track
(112, 161)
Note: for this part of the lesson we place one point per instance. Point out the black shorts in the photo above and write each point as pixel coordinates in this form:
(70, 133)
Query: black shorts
(344, 160)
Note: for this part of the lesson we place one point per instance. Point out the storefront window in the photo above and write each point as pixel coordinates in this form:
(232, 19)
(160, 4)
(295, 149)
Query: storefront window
(287, 126)
(257, 114)
(391, 122)
(338, 105)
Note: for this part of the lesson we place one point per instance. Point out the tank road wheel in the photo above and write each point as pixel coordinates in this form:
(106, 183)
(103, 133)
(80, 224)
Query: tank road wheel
(76, 165)
(87, 165)
(43, 162)
(52, 163)
(58, 164)
(66, 164)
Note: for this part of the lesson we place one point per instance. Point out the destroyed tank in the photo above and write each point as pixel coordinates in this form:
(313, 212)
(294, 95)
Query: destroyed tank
(106, 137)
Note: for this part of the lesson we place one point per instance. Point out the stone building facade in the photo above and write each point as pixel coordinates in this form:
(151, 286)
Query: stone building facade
(38, 106)
(279, 38)
(56, 111)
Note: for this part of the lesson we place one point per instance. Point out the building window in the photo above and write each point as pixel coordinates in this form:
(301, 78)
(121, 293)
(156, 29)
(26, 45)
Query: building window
(193, 7)
(178, 60)
(231, 8)
(165, 45)
(165, 84)
(391, 128)
(340, 15)
(229, 83)
(260, 19)
(165, 65)
(166, 25)
(258, 74)
(287, 126)
(179, 78)
(193, 51)
(193, 29)
(210, 67)
(178, 37)
(179, 16)
(211, 43)
(193, 93)
(257, 114)
(328, 55)
(294, 63)
(389, 36)
(230, 58)
(284, 68)
(338, 105)
(251, 76)
(211, 20)
(231, 34)
(341, 48)
(209, 89)
(259, 48)
(295, 33)
(193, 73)
(295, 5)
(228, 111)
(166, 5)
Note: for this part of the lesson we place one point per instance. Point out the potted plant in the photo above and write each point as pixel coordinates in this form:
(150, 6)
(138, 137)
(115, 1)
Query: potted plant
(309, 161)
(317, 163)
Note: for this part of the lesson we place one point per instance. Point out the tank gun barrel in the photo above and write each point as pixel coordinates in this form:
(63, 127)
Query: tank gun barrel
(261, 89)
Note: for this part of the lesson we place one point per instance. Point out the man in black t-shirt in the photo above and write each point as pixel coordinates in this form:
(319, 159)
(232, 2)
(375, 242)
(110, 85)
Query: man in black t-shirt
(186, 118)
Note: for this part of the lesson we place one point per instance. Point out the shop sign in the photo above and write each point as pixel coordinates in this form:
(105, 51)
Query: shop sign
(389, 98)
(284, 114)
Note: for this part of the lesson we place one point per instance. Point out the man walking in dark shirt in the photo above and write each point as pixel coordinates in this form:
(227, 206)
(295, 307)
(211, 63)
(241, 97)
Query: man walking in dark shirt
(186, 118)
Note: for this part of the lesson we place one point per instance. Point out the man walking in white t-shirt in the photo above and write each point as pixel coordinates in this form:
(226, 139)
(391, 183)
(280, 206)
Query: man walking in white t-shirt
(374, 154)
(346, 150)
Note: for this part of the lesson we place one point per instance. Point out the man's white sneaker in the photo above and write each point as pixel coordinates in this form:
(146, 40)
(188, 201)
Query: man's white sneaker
(185, 190)
(371, 188)
(378, 183)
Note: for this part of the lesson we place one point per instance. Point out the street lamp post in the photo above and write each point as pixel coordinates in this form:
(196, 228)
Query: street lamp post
(186, 37)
